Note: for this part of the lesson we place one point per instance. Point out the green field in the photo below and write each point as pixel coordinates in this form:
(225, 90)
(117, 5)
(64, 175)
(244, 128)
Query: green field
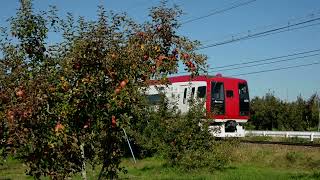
(249, 161)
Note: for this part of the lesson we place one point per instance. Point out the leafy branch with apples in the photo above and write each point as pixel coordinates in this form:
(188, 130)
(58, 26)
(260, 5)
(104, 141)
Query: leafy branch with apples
(80, 92)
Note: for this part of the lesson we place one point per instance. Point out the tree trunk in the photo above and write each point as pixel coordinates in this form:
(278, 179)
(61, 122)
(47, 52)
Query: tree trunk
(83, 168)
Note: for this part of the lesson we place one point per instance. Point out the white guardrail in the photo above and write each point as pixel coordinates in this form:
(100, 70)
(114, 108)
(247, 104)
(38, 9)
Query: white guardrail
(299, 134)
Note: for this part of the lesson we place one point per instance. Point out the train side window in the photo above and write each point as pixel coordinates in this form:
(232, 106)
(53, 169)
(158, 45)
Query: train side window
(154, 99)
(161, 89)
(185, 95)
(192, 92)
(229, 93)
(218, 91)
(202, 91)
(243, 89)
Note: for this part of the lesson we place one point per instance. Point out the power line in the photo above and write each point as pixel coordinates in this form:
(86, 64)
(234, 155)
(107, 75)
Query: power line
(291, 20)
(277, 69)
(215, 12)
(267, 59)
(286, 30)
(265, 63)
(259, 34)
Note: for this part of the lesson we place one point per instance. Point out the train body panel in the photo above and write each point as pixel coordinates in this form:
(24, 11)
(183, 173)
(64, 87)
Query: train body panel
(226, 100)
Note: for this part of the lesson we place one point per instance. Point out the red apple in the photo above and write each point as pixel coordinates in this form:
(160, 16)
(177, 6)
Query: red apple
(145, 57)
(20, 93)
(86, 124)
(77, 66)
(10, 115)
(188, 63)
(117, 90)
(161, 57)
(140, 33)
(113, 56)
(153, 69)
(58, 127)
(159, 27)
(123, 84)
(186, 56)
(113, 121)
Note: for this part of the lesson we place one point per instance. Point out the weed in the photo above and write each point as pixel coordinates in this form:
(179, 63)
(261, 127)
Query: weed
(293, 157)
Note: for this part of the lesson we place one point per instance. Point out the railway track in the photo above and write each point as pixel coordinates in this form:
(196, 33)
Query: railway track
(281, 143)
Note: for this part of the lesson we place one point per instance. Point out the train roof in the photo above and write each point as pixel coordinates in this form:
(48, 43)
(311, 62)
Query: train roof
(187, 78)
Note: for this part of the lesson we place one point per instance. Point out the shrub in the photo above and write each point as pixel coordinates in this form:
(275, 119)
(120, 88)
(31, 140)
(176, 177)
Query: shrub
(183, 140)
(293, 157)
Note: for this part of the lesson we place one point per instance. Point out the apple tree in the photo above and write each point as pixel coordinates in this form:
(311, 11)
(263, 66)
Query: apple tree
(66, 103)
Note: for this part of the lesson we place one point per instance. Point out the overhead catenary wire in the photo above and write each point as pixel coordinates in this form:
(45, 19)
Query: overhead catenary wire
(289, 21)
(277, 69)
(219, 11)
(263, 33)
(253, 63)
(267, 59)
(266, 63)
(262, 61)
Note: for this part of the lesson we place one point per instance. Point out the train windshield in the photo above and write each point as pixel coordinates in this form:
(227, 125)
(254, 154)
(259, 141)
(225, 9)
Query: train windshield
(217, 98)
(244, 99)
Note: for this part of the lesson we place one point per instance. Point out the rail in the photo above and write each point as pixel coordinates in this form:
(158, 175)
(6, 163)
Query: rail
(288, 134)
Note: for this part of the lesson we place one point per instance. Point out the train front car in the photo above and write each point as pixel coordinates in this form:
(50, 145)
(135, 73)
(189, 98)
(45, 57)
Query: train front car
(227, 106)
(226, 100)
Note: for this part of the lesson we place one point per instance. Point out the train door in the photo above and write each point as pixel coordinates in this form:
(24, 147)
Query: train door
(244, 99)
(185, 91)
(217, 98)
(232, 108)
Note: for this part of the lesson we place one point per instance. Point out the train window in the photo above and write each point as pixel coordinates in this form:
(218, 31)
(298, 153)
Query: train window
(217, 91)
(243, 89)
(161, 89)
(244, 99)
(217, 100)
(154, 99)
(229, 93)
(185, 95)
(192, 92)
(202, 91)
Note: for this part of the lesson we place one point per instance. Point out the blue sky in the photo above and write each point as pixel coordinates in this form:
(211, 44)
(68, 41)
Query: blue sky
(259, 14)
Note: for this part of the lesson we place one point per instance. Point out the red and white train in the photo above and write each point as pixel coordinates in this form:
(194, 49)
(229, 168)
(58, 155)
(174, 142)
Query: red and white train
(226, 100)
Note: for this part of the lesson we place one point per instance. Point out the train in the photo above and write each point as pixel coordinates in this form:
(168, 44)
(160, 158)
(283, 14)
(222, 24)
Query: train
(226, 100)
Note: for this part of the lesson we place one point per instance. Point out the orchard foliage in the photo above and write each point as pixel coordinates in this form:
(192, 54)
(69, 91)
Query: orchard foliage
(181, 140)
(270, 112)
(84, 89)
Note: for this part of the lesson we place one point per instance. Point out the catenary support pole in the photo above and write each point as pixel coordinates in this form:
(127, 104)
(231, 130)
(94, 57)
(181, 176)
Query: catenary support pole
(125, 134)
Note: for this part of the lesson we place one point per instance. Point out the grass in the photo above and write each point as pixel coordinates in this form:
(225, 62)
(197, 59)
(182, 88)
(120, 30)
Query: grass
(282, 139)
(240, 171)
(249, 161)
(12, 169)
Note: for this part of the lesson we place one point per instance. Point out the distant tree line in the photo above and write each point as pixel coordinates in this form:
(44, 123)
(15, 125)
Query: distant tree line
(272, 113)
